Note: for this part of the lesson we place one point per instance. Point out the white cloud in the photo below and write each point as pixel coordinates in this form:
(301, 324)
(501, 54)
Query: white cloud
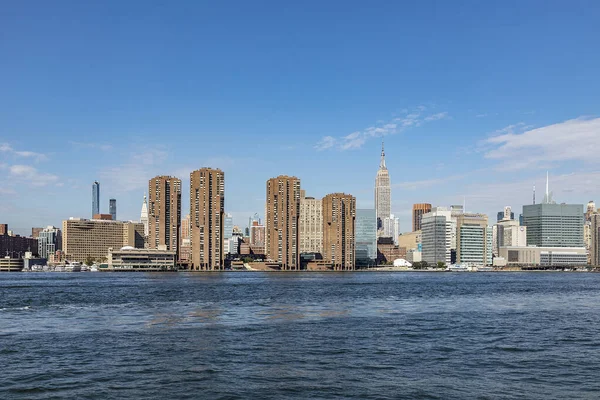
(6, 148)
(326, 143)
(572, 140)
(99, 146)
(437, 116)
(31, 176)
(356, 140)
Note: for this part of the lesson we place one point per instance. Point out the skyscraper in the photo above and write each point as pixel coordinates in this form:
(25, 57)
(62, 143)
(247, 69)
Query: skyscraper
(144, 216)
(554, 225)
(112, 208)
(365, 229)
(436, 238)
(417, 214)
(207, 213)
(282, 212)
(311, 224)
(472, 239)
(391, 228)
(339, 213)
(383, 192)
(95, 198)
(164, 213)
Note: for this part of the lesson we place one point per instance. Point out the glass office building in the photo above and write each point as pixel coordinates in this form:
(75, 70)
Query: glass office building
(365, 237)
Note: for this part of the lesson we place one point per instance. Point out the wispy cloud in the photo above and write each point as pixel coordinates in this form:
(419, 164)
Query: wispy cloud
(135, 173)
(30, 175)
(6, 148)
(88, 145)
(572, 140)
(357, 139)
(415, 185)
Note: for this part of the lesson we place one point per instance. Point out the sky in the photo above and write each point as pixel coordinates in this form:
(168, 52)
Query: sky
(475, 102)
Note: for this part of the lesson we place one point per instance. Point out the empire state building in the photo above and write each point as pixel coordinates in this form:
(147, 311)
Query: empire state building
(383, 192)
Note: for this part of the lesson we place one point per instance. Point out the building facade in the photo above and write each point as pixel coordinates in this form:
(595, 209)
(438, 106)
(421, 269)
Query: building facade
(310, 224)
(418, 211)
(144, 216)
(436, 237)
(112, 208)
(207, 213)
(95, 198)
(383, 192)
(49, 240)
(131, 259)
(84, 238)
(595, 239)
(554, 225)
(164, 212)
(365, 233)
(472, 242)
(544, 256)
(339, 214)
(16, 246)
(391, 228)
(282, 219)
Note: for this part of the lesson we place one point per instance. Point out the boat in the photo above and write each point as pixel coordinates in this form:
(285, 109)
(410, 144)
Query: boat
(94, 268)
(73, 267)
(457, 268)
(60, 268)
(486, 268)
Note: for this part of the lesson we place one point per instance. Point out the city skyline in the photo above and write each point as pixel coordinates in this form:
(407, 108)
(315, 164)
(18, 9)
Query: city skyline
(480, 122)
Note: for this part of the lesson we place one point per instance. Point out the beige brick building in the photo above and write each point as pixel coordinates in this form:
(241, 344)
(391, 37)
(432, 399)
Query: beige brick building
(339, 213)
(281, 217)
(311, 224)
(164, 212)
(207, 212)
(83, 238)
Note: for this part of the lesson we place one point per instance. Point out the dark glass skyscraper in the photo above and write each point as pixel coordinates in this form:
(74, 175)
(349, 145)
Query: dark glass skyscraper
(366, 237)
(95, 198)
(112, 208)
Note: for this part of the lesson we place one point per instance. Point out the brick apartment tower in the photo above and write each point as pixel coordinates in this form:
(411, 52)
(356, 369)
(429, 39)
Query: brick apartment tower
(164, 213)
(339, 214)
(207, 213)
(417, 214)
(281, 221)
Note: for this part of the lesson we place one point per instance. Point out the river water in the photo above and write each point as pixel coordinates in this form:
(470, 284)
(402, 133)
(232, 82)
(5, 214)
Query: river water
(376, 335)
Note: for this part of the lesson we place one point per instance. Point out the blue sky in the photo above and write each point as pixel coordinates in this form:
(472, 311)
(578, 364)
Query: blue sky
(474, 99)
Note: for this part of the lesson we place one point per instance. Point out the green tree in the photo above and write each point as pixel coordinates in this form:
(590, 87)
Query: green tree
(247, 260)
(89, 260)
(441, 264)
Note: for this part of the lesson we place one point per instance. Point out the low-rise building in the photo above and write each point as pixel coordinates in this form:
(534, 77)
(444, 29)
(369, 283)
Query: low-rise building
(11, 264)
(544, 256)
(131, 259)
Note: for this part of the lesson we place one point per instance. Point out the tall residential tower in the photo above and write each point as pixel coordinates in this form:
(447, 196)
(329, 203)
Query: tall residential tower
(282, 219)
(164, 213)
(207, 213)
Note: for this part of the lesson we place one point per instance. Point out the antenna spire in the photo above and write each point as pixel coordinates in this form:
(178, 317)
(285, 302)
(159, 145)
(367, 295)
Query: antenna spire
(382, 163)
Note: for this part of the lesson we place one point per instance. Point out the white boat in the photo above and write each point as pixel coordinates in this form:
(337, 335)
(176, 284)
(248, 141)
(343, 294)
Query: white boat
(60, 268)
(94, 268)
(485, 269)
(457, 268)
(73, 267)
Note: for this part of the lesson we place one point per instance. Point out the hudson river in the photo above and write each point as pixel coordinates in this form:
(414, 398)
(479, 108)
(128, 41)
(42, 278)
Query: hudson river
(300, 335)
